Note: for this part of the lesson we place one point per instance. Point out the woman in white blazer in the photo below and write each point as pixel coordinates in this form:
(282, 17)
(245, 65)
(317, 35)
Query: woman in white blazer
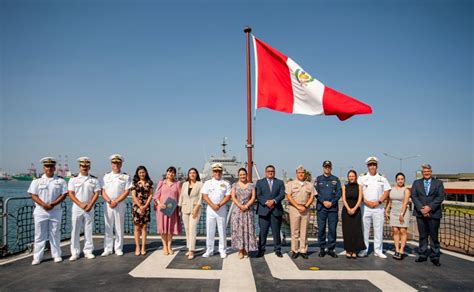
(190, 206)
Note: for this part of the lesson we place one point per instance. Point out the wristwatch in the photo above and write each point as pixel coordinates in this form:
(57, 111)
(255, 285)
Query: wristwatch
(380, 202)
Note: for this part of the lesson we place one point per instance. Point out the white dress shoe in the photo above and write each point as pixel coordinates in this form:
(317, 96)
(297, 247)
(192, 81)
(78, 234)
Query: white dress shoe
(106, 253)
(207, 254)
(89, 256)
(119, 252)
(73, 258)
(35, 262)
(380, 255)
(58, 259)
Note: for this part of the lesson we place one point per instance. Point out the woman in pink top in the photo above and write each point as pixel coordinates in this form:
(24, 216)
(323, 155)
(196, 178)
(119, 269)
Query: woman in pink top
(167, 225)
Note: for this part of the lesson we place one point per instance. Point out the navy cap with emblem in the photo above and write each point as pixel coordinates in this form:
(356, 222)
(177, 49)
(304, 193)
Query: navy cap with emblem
(327, 163)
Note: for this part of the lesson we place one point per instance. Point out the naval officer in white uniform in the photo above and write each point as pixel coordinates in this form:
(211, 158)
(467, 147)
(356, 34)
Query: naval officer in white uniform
(115, 188)
(47, 192)
(375, 189)
(216, 193)
(83, 191)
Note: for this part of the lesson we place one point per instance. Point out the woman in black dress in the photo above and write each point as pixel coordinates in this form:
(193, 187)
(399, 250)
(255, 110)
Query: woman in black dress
(142, 194)
(352, 216)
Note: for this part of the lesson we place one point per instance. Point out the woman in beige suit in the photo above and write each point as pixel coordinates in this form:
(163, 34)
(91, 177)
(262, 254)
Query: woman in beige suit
(190, 206)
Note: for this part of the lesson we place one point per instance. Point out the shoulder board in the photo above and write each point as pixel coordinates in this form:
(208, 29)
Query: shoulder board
(380, 174)
(93, 176)
(362, 174)
(60, 176)
(125, 173)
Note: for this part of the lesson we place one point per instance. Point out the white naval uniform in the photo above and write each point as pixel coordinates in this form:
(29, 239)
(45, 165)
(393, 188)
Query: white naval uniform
(47, 223)
(373, 187)
(84, 188)
(216, 190)
(114, 185)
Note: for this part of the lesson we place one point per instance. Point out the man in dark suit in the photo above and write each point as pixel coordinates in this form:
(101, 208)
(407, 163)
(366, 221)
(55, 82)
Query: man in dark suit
(427, 194)
(270, 192)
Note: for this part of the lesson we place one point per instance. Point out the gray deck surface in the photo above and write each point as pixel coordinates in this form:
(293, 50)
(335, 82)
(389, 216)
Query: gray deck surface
(112, 272)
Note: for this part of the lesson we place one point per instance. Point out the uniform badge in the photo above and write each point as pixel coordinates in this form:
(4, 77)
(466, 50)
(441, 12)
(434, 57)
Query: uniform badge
(334, 182)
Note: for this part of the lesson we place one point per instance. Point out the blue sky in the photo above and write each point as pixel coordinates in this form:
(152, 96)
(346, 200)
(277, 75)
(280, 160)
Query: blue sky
(163, 82)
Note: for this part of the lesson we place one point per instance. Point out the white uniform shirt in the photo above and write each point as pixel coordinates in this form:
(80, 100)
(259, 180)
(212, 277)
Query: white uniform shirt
(373, 186)
(48, 190)
(115, 184)
(84, 188)
(216, 190)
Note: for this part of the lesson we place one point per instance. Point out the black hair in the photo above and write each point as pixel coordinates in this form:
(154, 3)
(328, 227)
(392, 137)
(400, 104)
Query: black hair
(352, 171)
(198, 178)
(268, 166)
(242, 169)
(400, 173)
(136, 178)
(171, 169)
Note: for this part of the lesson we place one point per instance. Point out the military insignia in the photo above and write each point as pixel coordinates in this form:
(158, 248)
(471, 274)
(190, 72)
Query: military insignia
(222, 185)
(303, 77)
(334, 182)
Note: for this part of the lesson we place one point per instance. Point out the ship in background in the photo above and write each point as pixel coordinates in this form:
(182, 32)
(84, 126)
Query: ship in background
(4, 175)
(62, 169)
(29, 176)
(230, 166)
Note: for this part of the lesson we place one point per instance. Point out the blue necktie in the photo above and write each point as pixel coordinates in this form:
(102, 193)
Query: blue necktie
(270, 184)
(427, 187)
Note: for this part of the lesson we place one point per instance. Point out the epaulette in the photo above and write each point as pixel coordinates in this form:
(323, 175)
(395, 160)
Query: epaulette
(362, 174)
(92, 176)
(124, 173)
(60, 176)
(74, 174)
(380, 174)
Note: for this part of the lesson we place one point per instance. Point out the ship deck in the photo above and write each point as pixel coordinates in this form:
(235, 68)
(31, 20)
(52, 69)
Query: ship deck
(157, 272)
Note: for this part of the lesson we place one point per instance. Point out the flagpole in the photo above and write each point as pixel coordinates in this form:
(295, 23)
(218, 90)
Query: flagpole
(249, 145)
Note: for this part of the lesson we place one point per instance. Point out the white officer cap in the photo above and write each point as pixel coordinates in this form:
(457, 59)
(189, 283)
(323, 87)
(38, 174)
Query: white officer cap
(116, 158)
(217, 166)
(48, 161)
(84, 160)
(372, 159)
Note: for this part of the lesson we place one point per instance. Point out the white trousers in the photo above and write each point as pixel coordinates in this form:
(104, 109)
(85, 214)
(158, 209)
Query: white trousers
(212, 218)
(80, 219)
(373, 217)
(114, 219)
(47, 228)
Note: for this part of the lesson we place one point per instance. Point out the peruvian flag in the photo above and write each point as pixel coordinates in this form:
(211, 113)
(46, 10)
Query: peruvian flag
(282, 85)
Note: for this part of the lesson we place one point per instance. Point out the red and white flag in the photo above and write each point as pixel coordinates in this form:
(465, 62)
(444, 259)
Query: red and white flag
(282, 85)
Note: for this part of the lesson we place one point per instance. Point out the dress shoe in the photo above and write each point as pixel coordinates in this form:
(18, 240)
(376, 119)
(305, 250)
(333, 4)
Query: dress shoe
(380, 255)
(304, 255)
(294, 255)
(420, 259)
(322, 253)
(73, 258)
(332, 253)
(58, 259)
(260, 253)
(35, 262)
(362, 254)
(436, 263)
(278, 254)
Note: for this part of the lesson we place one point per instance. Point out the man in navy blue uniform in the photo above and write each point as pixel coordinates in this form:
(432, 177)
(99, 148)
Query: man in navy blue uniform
(270, 191)
(328, 188)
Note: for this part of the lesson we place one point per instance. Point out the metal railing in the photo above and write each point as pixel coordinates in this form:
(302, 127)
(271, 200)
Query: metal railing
(17, 225)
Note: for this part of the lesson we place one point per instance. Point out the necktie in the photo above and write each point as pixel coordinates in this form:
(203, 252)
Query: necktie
(427, 187)
(270, 183)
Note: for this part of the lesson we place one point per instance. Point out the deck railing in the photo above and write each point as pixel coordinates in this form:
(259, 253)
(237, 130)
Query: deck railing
(17, 226)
